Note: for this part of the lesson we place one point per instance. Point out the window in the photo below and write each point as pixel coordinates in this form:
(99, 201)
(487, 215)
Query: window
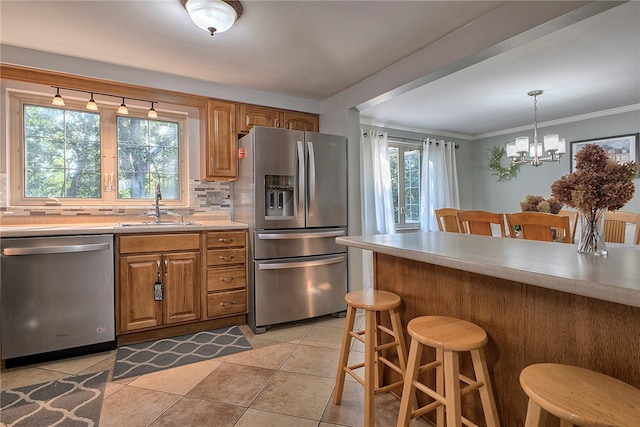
(405, 161)
(82, 157)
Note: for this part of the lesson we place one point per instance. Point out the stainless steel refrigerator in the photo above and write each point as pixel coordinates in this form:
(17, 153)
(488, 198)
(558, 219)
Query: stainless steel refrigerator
(292, 192)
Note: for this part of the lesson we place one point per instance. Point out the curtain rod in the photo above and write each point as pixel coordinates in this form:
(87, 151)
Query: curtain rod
(416, 140)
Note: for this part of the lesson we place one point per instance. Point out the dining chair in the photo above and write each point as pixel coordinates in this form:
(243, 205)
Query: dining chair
(615, 226)
(573, 221)
(479, 222)
(447, 219)
(540, 226)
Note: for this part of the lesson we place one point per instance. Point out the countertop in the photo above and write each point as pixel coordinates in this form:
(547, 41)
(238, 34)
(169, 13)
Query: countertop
(111, 228)
(614, 277)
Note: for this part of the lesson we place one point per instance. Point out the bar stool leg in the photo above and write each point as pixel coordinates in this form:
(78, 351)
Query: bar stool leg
(486, 391)
(536, 416)
(452, 388)
(344, 355)
(378, 341)
(408, 389)
(369, 367)
(440, 385)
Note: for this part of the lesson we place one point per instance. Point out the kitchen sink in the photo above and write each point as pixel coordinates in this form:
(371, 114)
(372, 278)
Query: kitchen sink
(153, 224)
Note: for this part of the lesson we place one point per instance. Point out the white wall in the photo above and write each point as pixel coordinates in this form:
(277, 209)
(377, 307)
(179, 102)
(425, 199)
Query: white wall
(488, 194)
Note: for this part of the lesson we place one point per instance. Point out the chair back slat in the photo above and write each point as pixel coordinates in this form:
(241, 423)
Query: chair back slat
(540, 226)
(479, 222)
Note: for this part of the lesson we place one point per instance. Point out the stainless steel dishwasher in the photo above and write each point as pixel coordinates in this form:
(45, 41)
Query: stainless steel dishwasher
(57, 297)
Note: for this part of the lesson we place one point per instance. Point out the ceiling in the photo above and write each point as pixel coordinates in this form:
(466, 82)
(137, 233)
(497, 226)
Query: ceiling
(315, 49)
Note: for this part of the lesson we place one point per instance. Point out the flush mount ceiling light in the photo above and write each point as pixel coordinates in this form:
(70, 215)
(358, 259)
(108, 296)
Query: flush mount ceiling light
(214, 16)
(521, 151)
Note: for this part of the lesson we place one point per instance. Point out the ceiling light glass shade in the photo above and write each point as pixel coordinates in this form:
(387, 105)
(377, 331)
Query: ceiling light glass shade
(511, 150)
(57, 99)
(214, 16)
(522, 144)
(535, 150)
(123, 108)
(91, 105)
(551, 142)
(562, 146)
(152, 114)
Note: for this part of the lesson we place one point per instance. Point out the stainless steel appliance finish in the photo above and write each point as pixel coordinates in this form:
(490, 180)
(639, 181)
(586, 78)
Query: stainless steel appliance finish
(57, 296)
(292, 192)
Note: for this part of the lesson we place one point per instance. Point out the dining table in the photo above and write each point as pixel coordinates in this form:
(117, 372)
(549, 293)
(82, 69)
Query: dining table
(537, 301)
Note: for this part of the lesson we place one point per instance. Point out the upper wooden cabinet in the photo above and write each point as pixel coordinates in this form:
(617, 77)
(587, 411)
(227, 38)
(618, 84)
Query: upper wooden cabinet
(219, 157)
(300, 121)
(253, 115)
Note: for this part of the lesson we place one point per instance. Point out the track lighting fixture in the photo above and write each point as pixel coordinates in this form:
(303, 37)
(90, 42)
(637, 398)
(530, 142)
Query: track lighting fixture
(123, 108)
(91, 105)
(152, 114)
(57, 99)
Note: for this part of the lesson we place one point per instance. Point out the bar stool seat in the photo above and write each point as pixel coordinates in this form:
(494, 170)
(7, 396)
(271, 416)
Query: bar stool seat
(578, 396)
(373, 302)
(448, 336)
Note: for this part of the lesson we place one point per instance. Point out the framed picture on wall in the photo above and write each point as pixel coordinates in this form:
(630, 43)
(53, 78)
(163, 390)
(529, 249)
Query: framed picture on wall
(621, 148)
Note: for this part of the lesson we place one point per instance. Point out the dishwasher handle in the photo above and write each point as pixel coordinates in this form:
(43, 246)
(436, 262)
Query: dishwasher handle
(58, 249)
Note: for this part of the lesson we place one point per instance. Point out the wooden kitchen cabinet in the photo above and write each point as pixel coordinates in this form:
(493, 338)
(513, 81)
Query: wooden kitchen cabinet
(171, 259)
(253, 115)
(226, 274)
(219, 156)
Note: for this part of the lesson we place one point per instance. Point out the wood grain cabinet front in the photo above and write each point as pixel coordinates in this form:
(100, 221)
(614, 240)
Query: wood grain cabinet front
(219, 161)
(226, 273)
(159, 280)
(253, 115)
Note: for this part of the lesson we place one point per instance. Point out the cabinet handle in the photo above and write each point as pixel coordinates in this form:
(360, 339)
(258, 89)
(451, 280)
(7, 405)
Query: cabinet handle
(226, 257)
(227, 304)
(166, 268)
(226, 279)
(225, 240)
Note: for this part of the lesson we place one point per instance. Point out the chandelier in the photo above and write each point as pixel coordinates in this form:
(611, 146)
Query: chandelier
(521, 151)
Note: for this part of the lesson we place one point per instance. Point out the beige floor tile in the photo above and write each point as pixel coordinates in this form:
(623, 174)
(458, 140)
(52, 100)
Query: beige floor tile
(76, 365)
(198, 412)
(255, 418)
(265, 354)
(233, 384)
(293, 394)
(323, 424)
(111, 388)
(331, 321)
(133, 407)
(103, 365)
(287, 333)
(310, 360)
(177, 380)
(23, 376)
(323, 336)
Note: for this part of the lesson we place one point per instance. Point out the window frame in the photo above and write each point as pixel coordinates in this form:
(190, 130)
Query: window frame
(403, 146)
(108, 151)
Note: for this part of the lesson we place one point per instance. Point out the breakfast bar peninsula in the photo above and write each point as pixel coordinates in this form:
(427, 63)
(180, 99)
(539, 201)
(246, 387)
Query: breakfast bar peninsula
(537, 301)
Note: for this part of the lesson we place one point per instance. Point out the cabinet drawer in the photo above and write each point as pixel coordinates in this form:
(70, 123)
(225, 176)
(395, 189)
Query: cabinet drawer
(159, 243)
(226, 239)
(226, 256)
(226, 303)
(222, 279)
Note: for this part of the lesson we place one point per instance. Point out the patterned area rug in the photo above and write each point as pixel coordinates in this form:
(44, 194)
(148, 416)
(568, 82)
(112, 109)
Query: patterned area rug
(70, 402)
(152, 356)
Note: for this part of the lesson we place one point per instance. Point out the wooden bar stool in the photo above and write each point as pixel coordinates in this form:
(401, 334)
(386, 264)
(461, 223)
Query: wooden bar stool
(373, 303)
(578, 396)
(449, 337)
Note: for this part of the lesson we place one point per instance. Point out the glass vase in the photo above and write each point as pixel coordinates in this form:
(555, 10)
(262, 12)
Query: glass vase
(591, 225)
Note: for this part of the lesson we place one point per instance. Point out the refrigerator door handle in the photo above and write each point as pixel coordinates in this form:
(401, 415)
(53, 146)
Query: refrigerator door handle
(312, 178)
(301, 178)
(289, 236)
(288, 265)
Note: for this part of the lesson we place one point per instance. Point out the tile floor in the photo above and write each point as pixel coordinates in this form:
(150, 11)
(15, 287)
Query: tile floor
(286, 380)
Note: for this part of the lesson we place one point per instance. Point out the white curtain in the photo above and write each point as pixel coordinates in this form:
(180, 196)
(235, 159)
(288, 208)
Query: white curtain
(439, 181)
(377, 200)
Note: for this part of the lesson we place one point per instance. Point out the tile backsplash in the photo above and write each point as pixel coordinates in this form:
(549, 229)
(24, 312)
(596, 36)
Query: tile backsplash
(204, 198)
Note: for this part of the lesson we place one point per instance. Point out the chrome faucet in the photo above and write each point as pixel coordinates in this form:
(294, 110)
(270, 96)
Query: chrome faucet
(158, 198)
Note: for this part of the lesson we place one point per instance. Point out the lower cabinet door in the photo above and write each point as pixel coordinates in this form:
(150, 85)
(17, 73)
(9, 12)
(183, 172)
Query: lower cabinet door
(138, 308)
(181, 287)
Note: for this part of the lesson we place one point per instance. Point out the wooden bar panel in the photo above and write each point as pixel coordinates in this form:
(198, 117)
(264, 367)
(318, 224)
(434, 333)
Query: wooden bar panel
(526, 324)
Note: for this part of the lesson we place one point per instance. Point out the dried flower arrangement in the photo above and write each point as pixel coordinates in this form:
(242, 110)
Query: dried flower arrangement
(540, 204)
(597, 184)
